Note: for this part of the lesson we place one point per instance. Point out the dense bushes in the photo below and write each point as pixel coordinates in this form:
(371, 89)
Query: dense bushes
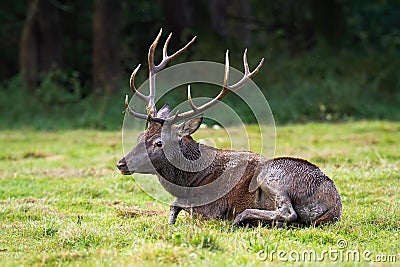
(318, 86)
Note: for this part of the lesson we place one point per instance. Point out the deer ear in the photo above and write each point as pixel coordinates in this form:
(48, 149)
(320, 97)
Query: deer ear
(164, 112)
(190, 126)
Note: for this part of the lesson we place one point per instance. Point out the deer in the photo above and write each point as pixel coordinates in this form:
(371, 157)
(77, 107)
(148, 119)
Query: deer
(279, 191)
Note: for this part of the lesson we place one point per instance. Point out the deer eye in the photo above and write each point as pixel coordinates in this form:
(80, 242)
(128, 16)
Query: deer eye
(159, 143)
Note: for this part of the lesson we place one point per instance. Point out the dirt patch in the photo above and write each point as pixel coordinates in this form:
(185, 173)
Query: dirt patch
(41, 155)
(63, 172)
(134, 212)
(27, 200)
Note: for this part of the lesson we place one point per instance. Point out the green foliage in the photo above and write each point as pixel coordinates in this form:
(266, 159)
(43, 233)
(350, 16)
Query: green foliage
(313, 87)
(57, 104)
(59, 87)
(373, 23)
(61, 202)
(320, 86)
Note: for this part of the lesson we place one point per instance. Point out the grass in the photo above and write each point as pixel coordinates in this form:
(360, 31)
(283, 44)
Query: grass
(62, 202)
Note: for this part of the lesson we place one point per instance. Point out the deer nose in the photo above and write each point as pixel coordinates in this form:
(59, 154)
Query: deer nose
(121, 164)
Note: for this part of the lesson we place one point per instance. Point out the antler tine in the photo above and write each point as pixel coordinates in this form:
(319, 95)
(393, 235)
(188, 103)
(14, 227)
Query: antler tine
(192, 105)
(133, 88)
(133, 113)
(226, 72)
(165, 48)
(135, 92)
(245, 63)
(152, 49)
(225, 88)
(151, 107)
(167, 58)
(247, 74)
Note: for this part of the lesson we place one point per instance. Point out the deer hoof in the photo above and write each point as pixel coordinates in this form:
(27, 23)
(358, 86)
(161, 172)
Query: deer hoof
(239, 220)
(171, 221)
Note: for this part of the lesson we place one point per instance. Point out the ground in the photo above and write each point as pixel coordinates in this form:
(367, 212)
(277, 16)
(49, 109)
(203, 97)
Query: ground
(62, 202)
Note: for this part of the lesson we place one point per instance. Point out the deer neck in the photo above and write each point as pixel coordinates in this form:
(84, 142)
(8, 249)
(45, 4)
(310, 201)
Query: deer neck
(194, 154)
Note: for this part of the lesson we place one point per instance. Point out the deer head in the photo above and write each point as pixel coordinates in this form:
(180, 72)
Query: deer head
(149, 155)
(149, 151)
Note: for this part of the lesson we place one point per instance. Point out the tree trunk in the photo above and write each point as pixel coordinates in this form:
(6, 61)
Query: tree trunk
(105, 60)
(40, 44)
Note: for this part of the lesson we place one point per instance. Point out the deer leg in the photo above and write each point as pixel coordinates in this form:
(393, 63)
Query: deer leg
(173, 213)
(284, 213)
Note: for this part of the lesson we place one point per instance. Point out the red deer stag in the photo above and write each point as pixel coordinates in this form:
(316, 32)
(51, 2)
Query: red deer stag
(274, 191)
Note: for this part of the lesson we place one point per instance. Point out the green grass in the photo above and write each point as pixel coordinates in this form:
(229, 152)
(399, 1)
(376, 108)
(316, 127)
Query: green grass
(63, 203)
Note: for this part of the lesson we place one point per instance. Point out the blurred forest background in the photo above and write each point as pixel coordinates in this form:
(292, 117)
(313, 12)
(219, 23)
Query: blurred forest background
(67, 64)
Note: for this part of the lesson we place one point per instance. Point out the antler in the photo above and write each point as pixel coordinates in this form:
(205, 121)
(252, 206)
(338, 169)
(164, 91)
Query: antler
(153, 69)
(225, 89)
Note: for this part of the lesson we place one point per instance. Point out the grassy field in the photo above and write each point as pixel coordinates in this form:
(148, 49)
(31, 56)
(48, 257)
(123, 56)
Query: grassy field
(62, 202)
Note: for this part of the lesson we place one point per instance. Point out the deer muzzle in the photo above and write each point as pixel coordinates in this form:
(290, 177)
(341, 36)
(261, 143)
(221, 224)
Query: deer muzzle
(123, 167)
